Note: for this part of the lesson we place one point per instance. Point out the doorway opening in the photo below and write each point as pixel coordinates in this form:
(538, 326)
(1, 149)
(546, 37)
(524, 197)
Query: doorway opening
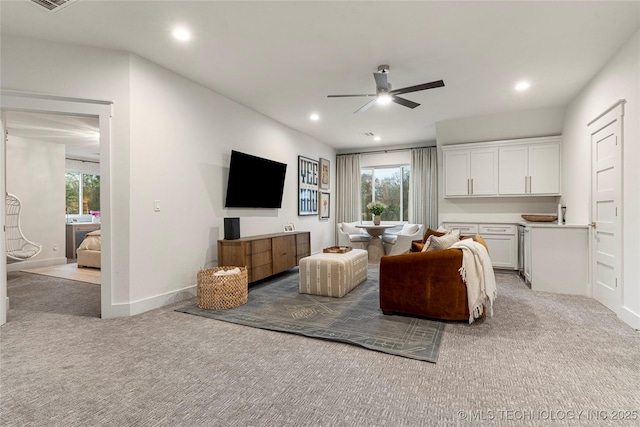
(88, 113)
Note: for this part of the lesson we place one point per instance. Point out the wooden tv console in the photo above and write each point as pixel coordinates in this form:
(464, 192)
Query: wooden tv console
(265, 255)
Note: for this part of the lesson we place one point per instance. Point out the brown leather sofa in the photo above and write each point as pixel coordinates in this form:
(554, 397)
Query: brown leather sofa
(425, 284)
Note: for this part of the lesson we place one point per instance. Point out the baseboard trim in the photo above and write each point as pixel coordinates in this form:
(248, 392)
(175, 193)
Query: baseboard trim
(151, 303)
(26, 265)
(630, 317)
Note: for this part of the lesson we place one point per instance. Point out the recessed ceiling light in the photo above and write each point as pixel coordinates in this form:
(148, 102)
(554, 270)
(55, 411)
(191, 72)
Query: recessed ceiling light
(522, 86)
(181, 34)
(376, 138)
(314, 117)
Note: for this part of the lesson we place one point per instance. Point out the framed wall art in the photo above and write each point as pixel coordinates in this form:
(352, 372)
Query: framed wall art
(325, 169)
(325, 205)
(308, 176)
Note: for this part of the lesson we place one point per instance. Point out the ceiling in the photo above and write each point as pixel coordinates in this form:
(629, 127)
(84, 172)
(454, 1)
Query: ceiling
(80, 135)
(282, 59)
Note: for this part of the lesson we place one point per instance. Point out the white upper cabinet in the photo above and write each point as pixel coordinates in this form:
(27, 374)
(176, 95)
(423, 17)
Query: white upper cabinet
(521, 167)
(529, 169)
(456, 172)
(471, 172)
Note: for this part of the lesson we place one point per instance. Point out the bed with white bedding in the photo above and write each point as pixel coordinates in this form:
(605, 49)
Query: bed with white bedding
(89, 250)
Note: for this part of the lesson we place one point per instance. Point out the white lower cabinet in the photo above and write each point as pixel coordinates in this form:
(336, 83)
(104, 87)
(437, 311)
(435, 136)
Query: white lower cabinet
(527, 254)
(501, 239)
(556, 258)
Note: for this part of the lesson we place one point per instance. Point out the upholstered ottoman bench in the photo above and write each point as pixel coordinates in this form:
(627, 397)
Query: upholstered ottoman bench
(333, 274)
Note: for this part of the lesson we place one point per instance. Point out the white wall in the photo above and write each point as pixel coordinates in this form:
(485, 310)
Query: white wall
(184, 164)
(81, 72)
(495, 127)
(171, 141)
(619, 79)
(35, 173)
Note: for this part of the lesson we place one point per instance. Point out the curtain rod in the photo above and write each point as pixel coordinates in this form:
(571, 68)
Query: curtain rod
(386, 151)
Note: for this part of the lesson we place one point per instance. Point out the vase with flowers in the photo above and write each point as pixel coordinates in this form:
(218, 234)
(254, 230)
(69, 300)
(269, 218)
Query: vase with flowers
(376, 209)
(95, 217)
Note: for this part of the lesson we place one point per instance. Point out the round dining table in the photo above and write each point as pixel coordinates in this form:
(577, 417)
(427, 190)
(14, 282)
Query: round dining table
(375, 248)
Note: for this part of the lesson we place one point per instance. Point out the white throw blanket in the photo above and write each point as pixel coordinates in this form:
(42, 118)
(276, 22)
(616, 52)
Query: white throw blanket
(477, 273)
(227, 272)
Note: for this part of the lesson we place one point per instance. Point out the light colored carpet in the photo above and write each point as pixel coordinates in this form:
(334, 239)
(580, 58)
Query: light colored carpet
(69, 272)
(540, 360)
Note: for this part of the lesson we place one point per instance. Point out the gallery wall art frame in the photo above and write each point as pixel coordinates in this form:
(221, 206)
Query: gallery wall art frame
(325, 174)
(308, 176)
(324, 205)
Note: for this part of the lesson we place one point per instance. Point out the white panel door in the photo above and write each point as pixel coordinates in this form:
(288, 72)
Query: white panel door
(3, 250)
(484, 172)
(544, 169)
(606, 243)
(512, 177)
(456, 173)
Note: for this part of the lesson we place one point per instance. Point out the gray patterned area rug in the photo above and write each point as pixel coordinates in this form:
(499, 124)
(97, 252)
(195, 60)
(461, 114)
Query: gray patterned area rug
(355, 318)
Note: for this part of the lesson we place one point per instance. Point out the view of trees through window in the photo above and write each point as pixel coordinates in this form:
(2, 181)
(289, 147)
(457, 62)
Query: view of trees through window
(82, 193)
(389, 185)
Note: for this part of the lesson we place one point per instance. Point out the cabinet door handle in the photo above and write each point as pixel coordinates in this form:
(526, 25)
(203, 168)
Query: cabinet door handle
(468, 186)
(472, 186)
(529, 184)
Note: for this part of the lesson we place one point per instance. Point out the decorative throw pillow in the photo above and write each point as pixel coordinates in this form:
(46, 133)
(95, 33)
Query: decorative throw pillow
(431, 232)
(436, 243)
(350, 228)
(416, 246)
(409, 229)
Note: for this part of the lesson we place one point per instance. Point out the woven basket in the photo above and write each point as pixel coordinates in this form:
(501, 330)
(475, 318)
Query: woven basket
(222, 292)
(539, 218)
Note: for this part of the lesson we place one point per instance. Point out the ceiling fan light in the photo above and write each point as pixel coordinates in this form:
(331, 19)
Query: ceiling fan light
(384, 98)
(181, 34)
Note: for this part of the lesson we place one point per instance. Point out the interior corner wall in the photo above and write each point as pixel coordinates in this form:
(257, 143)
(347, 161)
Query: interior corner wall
(182, 135)
(619, 79)
(495, 127)
(35, 174)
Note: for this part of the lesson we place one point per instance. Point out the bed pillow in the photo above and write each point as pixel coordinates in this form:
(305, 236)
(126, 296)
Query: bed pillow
(437, 243)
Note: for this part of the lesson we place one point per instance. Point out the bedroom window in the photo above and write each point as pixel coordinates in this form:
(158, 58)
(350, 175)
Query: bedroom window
(82, 193)
(389, 185)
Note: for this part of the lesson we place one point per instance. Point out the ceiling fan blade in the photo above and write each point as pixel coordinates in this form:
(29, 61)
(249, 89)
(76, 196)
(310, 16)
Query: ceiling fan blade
(424, 86)
(404, 102)
(381, 81)
(348, 96)
(365, 107)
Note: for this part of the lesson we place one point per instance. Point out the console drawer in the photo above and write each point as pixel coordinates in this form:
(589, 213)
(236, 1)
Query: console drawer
(465, 229)
(509, 229)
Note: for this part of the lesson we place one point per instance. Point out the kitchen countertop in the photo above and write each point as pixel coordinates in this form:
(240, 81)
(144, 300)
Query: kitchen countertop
(530, 224)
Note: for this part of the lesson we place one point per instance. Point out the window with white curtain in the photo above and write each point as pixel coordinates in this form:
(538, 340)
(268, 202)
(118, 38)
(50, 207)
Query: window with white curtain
(389, 185)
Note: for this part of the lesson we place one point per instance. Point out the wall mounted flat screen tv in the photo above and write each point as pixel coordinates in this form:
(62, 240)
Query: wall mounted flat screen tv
(254, 182)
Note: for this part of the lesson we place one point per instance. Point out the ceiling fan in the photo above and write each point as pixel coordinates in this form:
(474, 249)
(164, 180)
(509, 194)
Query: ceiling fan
(384, 94)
